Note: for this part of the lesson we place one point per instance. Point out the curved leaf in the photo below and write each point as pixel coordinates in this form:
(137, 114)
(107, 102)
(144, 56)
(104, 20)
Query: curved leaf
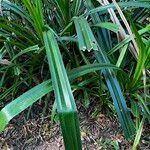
(103, 9)
(37, 92)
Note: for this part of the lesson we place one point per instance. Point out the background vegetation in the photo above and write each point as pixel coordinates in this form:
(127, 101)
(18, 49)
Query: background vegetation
(88, 50)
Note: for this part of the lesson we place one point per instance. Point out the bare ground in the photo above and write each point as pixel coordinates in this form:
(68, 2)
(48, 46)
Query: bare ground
(99, 133)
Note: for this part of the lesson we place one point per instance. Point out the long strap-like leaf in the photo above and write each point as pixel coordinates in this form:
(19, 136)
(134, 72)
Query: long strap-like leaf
(133, 4)
(66, 106)
(18, 10)
(113, 84)
(28, 98)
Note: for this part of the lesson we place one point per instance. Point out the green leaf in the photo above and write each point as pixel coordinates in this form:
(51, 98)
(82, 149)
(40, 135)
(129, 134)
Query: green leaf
(29, 49)
(142, 56)
(144, 106)
(86, 100)
(22, 102)
(113, 84)
(76, 6)
(108, 25)
(36, 13)
(64, 6)
(28, 98)
(122, 54)
(136, 112)
(138, 135)
(80, 71)
(11, 27)
(127, 40)
(104, 9)
(66, 106)
(9, 5)
(85, 36)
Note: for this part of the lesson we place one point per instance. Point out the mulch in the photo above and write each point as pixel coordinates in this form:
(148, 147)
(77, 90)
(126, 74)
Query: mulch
(37, 133)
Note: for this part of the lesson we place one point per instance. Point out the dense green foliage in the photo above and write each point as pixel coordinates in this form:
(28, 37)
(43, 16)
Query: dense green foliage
(51, 44)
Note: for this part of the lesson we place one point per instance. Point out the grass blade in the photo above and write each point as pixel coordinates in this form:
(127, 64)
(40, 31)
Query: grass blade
(122, 54)
(144, 106)
(142, 57)
(138, 135)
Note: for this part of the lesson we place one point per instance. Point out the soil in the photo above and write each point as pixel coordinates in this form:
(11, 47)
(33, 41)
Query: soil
(37, 132)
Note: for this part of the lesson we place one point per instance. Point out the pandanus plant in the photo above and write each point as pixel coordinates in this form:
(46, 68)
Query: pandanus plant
(35, 26)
